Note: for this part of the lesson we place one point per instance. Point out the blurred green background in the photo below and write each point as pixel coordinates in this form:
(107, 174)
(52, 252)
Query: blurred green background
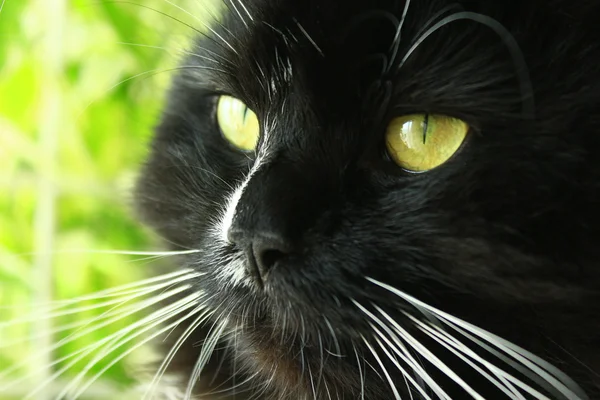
(81, 85)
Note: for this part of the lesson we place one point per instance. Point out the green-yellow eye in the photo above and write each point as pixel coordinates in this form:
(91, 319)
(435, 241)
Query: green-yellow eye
(238, 123)
(420, 142)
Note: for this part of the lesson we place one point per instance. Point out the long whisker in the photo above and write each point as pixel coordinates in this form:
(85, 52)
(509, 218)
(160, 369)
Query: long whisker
(147, 323)
(506, 377)
(82, 353)
(207, 349)
(335, 340)
(223, 61)
(166, 314)
(233, 389)
(51, 333)
(322, 361)
(119, 252)
(122, 290)
(312, 382)
(129, 351)
(405, 375)
(549, 373)
(383, 369)
(183, 10)
(118, 309)
(245, 9)
(238, 13)
(206, 26)
(437, 16)
(310, 39)
(510, 42)
(360, 373)
(452, 345)
(526, 366)
(150, 73)
(169, 357)
(398, 34)
(403, 353)
(70, 338)
(123, 298)
(156, 11)
(427, 354)
(413, 364)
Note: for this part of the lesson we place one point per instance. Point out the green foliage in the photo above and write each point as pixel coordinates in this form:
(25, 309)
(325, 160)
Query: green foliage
(113, 63)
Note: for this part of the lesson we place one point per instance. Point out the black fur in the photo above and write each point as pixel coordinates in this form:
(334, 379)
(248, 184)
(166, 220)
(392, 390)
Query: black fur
(504, 235)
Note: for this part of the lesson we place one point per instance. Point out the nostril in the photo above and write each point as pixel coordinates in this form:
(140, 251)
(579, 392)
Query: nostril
(263, 251)
(268, 258)
(267, 251)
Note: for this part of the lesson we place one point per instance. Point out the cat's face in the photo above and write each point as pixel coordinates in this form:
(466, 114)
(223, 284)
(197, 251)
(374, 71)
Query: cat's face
(333, 269)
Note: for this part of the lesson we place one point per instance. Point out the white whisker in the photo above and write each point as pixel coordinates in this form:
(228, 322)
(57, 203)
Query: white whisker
(128, 288)
(506, 377)
(169, 357)
(310, 39)
(456, 348)
(312, 382)
(161, 316)
(118, 309)
(117, 252)
(405, 375)
(436, 17)
(398, 34)
(181, 306)
(87, 351)
(420, 372)
(238, 13)
(526, 366)
(234, 387)
(124, 297)
(122, 290)
(552, 375)
(335, 340)
(508, 39)
(383, 369)
(427, 354)
(322, 361)
(404, 354)
(183, 10)
(134, 309)
(150, 73)
(246, 10)
(360, 373)
(77, 310)
(207, 349)
(201, 21)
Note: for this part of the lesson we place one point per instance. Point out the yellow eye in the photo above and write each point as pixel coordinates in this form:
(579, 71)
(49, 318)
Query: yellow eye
(421, 142)
(238, 123)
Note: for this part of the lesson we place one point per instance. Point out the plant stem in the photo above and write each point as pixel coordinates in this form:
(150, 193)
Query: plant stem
(53, 14)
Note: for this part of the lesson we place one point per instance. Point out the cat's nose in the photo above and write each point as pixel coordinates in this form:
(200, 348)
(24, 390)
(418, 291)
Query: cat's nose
(263, 251)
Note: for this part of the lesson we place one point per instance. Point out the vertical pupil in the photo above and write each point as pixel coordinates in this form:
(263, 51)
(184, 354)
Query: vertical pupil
(425, 126)
(245, 113)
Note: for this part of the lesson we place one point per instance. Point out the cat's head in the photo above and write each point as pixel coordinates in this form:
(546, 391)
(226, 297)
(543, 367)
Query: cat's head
(365, 180)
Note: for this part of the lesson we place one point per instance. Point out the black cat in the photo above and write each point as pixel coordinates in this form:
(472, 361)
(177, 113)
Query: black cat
(389, 200)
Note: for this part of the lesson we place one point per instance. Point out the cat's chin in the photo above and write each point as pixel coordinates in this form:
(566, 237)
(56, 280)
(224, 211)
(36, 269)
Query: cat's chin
(260, 353)
(288, 368)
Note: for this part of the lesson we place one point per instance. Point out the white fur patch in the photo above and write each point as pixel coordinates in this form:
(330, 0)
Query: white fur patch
(233, 201)
(234, 272)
